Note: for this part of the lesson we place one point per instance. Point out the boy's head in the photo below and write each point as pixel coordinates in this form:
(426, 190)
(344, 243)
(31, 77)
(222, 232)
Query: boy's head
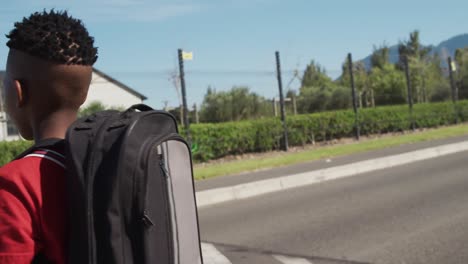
(48, 70)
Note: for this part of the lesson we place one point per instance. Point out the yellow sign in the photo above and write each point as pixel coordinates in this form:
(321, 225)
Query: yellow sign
(454, 66)
(187, 55)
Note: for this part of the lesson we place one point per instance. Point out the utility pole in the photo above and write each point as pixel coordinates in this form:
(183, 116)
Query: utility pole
(174, 77)
(283, 114)
(184, 107)
(353, 93)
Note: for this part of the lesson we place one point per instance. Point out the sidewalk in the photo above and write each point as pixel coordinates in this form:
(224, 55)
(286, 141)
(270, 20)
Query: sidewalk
(234, 187)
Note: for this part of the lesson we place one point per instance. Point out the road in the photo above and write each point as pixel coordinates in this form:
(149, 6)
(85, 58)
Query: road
(416, 213)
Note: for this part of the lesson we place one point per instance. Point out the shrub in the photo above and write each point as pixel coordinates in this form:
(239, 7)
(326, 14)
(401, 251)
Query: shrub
(221, 139)
(10, 149)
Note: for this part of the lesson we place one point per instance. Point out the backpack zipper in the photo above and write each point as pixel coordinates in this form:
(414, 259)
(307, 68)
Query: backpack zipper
(172, 212)
(168, 192)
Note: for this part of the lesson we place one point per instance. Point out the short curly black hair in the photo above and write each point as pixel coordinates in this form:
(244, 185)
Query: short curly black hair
(54, 36)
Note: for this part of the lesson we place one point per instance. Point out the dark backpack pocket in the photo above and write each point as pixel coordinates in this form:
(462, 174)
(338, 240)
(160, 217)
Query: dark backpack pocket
(154, 214)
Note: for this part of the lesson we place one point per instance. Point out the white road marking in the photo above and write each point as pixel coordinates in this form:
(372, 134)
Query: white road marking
(212, 256)
(289, 260)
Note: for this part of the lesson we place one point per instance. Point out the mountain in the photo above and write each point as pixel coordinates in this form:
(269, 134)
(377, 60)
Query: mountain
(444, 49)
(447, 48)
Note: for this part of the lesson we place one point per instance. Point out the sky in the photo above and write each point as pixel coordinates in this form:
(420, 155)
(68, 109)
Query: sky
(234, 42)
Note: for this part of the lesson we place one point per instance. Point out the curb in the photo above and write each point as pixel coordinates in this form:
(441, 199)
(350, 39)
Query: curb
(246, 190)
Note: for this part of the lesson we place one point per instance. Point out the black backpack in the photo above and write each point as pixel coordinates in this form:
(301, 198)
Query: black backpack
(131, 190)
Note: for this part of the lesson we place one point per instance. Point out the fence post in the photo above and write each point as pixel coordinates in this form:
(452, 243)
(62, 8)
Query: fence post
(454, 88)
(283, 114)
(410, 92)
(197, 118)
(275, 111)
(184, 95)
(353, 93)
(294, 104)
(452, 81)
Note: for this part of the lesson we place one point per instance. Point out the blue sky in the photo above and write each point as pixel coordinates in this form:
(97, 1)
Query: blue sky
(234, 41)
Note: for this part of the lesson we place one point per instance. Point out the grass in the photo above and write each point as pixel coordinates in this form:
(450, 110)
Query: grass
(261, 162)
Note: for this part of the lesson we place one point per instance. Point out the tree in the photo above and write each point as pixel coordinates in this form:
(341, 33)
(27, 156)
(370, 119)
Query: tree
(364, 92)
(412, 48)
(97, 106)
(380, 57)
(314, 99)
(461, 76)
(176, 112)
(315, 75)
(320, 93)
(340, 98)
(292, 107)
(233, 105)
(213, 108)
(425, 72)
(92, 108)
(389, 85)
(316, 90)
(436, 85)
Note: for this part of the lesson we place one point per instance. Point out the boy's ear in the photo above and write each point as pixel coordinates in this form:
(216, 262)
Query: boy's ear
(20, 93)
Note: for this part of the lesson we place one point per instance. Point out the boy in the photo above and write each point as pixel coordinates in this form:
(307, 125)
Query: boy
(48, 73)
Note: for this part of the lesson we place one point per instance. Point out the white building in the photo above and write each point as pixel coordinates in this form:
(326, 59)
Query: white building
(103, 89)
(111, 92)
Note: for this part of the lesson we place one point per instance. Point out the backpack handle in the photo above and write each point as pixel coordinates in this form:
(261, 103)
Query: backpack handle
(140, 107)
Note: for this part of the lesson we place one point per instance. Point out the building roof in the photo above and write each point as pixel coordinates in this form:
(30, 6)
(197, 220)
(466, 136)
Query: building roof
(108, 78)
(121, 85)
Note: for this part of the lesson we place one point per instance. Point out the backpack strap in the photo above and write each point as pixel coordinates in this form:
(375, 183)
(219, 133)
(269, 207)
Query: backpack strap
(45, 143)
(140, 107)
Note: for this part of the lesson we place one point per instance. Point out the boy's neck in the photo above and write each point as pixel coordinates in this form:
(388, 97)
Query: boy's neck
(54, 126)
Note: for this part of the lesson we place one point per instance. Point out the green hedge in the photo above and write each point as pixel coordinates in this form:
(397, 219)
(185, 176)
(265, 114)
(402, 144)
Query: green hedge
(221, 139)
(9, 150)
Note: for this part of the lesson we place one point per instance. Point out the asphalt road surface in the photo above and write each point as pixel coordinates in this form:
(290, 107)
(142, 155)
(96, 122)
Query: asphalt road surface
(416, 213)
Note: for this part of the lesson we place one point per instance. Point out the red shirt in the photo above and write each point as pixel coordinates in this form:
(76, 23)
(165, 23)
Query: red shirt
(32, 208)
